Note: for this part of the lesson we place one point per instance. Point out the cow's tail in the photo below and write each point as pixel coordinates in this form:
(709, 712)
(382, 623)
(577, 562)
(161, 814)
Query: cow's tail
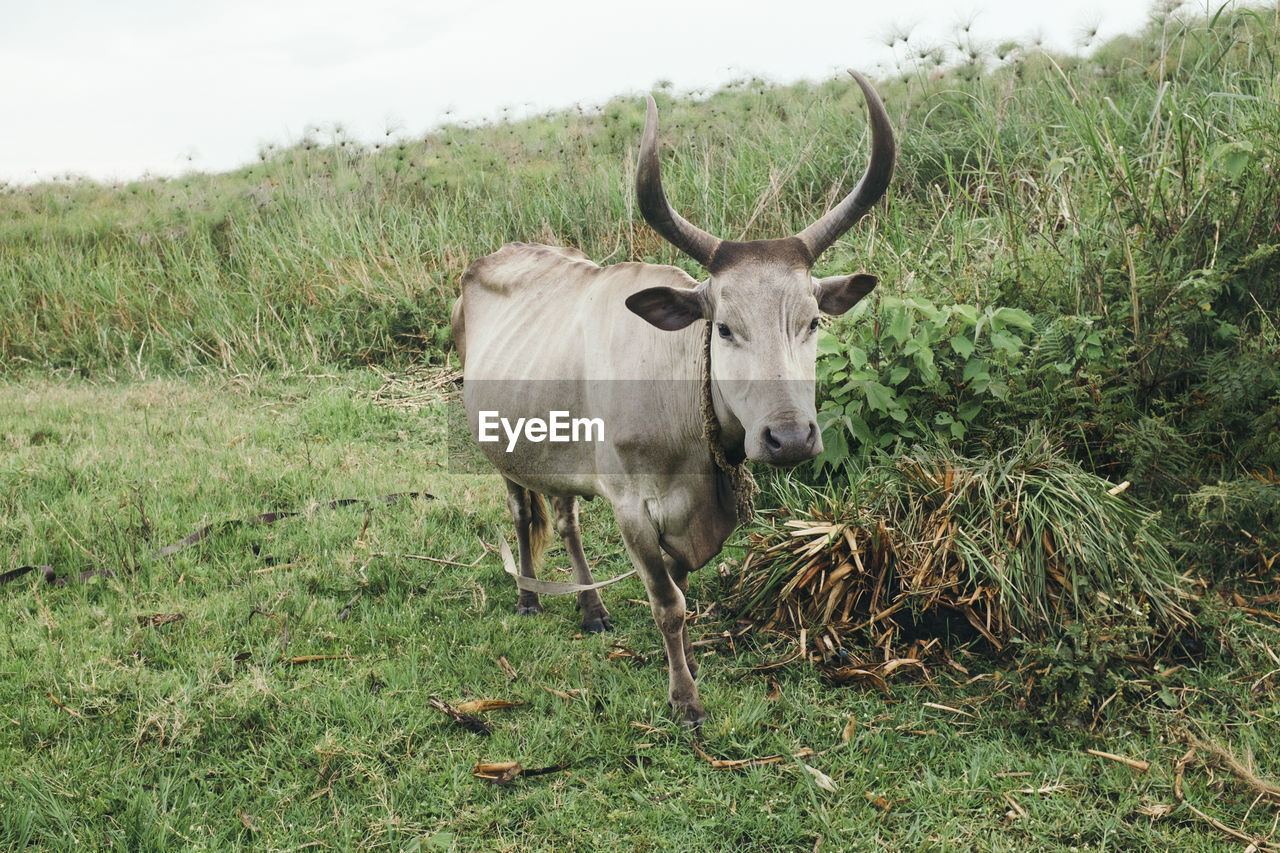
(458, 322)
(539, 527)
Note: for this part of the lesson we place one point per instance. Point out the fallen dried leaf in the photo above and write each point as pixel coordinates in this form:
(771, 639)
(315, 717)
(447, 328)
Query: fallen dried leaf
(1156, 811)
(467, 721)
(313, 658)
(54, 699)
(621, 652)
(1135, 764)
(1179, 768)
(507, 668)
(956, 665)
(567, 696)
(503, 772)
(861, 675)
(822, 780)
(478, 706)
(1016, 811)
(499, 773)
(849, 728)
(876, 674)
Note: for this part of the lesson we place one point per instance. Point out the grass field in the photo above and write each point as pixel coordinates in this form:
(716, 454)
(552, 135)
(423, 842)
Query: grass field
(1082, 247)
(160, 707)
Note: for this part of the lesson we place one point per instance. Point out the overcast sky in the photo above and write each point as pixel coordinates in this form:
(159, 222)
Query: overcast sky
(115, 89)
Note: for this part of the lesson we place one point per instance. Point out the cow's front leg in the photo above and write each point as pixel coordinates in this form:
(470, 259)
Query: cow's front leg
(666, 601)
(595, 618)
(680, 575)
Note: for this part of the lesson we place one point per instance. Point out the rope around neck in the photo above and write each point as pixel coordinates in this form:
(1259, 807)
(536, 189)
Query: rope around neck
(740, 479)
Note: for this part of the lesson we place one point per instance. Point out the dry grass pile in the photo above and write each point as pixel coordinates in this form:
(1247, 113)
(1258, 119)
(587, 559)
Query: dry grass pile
(418, 386)
(1016, 545)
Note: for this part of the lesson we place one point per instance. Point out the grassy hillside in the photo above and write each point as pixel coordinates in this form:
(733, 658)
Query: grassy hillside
(1094, 185)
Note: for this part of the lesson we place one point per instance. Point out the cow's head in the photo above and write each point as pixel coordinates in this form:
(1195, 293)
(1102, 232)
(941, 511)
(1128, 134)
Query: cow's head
(762, 302)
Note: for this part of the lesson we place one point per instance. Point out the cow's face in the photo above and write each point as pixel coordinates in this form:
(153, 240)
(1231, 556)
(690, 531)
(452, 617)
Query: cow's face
(764, 308)
(761, 301)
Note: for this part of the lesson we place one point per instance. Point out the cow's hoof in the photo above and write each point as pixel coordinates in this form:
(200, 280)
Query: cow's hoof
(597, 626)
(528, 609)
(692, 713)
(694, 720)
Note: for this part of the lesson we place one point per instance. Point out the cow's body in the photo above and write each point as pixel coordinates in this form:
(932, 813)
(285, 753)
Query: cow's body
(542, 329)
(592, 359)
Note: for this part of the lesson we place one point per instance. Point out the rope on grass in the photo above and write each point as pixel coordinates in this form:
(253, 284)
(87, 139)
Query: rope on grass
(740, 479)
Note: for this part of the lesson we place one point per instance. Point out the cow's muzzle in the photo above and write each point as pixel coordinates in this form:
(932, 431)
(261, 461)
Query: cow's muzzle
(789, 442)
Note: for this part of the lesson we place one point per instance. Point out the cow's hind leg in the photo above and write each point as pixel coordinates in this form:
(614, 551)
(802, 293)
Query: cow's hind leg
(666, 601)
(529, 512)
(595, 618)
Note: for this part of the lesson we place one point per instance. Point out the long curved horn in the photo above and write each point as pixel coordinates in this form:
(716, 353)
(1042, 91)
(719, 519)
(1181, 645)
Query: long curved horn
(819, 236)
(690, 239)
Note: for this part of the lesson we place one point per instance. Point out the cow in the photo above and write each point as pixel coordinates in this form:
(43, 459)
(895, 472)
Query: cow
(670, 366)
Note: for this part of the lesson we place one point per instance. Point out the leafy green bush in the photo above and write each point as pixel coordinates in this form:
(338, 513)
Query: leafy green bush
(1072, 676)
(906, 368)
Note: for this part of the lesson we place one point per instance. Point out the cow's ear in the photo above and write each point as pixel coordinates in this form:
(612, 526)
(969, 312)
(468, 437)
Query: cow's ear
(669, 308)
(839, 293)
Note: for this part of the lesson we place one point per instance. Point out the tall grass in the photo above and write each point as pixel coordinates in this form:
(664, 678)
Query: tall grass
(1098, 183)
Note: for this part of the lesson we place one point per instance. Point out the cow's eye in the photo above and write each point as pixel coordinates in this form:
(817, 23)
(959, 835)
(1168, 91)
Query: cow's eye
(813, 327)
(724, 331)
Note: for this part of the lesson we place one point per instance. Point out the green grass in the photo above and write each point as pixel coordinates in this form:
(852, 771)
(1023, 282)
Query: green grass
(180, 352)
(195, 734)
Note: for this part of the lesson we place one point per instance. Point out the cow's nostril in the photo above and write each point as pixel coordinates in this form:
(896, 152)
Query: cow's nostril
(813, 433)
(771, 441)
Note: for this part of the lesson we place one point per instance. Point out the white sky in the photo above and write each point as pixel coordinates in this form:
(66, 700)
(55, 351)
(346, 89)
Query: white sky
(115, 89)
